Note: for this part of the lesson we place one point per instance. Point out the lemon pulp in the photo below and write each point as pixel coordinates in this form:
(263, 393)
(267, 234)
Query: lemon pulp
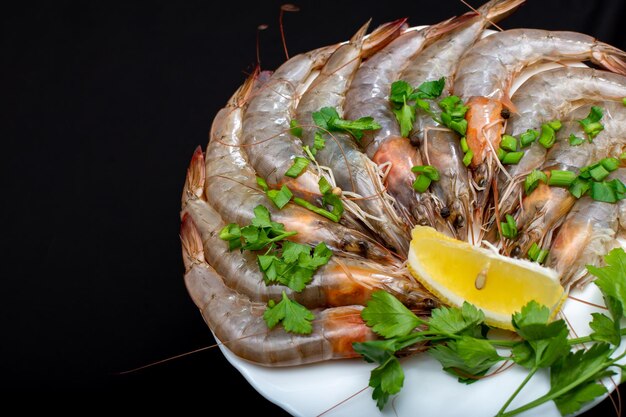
(456, 271)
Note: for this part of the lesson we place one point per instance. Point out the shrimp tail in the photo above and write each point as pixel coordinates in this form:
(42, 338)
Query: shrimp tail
(610, 57)
(196, 176)
(191, 242)
(496, 10)
(381, 36)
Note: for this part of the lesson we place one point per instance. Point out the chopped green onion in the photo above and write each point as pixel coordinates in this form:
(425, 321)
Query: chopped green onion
(509, 228)
(610, 164)
(280, 197)
(315, 209)
(536, 254)
(601, 191)
(624, 101)
(591, 124)
(421, 183)
(575, 140)
(579, 187)
(512, 158)
(555, 125)
(532, 180)
(508, 143)
(548, 137)
(528, 137)
(467, 159)
(501, 153)
(560, 178)
(465, 147)
(427, 170)
(295, 128)
(598, 173)
(299, 163)
(324, 186)
(262, 183)
(619, 188)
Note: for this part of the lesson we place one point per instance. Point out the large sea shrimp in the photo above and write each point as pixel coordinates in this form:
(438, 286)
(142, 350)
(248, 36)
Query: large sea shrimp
(239, 324)
(484, 78)
(343, 281)
(229, 173)
(368, 96)
(439, 146)
(550, 95)
(352, 170)
(266, 125)
(586, 235)
(546, 207)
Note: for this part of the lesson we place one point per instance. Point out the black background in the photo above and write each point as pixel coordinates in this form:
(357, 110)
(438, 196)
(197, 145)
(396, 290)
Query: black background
(103, 105)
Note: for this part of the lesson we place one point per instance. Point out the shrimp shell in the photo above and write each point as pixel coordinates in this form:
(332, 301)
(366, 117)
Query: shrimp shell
(228, 173)
(239, 324)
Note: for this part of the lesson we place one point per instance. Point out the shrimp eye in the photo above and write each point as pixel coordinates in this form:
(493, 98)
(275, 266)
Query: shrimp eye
(505, 114)
(444, 212)
(516, 251)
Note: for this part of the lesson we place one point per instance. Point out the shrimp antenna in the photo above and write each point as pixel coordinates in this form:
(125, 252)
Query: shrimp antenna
(258, 35)
(488, 20)
(166, 360)
(285, 8)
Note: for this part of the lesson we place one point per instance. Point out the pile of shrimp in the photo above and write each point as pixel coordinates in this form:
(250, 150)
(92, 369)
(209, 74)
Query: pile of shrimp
(252, 137)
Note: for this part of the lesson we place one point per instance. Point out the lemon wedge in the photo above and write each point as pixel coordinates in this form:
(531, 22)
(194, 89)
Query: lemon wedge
(455, 271)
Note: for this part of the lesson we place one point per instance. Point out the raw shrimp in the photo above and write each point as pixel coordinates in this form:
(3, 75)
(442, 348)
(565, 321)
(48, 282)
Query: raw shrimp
(368, 96)
(353, 171)
(439, 146)
(550, 95)
(484, 78)
(586, 235)
(239, 324)
(343, 281)
(547, 206)
(228, 173)
(266, 125)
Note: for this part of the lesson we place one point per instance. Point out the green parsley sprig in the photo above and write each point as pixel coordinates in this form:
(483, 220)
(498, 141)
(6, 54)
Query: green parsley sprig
(457, 338)
(283, 262)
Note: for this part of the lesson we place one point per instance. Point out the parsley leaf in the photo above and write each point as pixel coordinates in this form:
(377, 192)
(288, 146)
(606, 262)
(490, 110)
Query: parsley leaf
(295, 317)
(605, 329)
(451, 320)
(573, 400)
(400, 92)
(387, 316)
(405, 116)
(328, 119)
(429, 90)
(466, 358)
(611, 279)
(386, 379)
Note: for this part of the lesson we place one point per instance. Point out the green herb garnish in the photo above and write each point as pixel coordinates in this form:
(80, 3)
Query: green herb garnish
(591, 124)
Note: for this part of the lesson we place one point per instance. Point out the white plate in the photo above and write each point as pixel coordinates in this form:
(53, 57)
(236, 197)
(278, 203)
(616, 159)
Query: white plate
(340, 388)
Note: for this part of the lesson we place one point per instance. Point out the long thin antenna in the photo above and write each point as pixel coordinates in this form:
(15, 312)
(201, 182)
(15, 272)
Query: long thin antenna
(166, 360)
(285, 8)
(473, 9)
(258, 35)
